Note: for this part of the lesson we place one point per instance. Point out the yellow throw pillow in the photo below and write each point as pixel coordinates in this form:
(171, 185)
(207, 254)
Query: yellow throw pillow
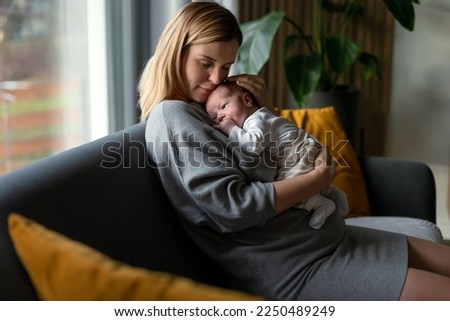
(323, 123)
(63, 269)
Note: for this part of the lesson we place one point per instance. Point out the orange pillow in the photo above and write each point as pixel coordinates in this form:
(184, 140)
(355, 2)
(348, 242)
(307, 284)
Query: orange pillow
(323, 123)
(64, 269)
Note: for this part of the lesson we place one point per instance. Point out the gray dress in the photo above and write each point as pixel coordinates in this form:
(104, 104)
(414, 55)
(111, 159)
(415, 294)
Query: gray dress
(225, 202)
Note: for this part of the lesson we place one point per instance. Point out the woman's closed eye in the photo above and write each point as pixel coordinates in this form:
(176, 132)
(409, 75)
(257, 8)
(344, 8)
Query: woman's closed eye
(206, 64)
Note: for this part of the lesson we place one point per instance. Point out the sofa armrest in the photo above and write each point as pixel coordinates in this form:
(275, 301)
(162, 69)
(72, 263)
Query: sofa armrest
(399, 187)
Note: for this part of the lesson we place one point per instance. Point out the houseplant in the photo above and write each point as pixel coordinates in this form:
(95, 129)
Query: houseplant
(330, 55)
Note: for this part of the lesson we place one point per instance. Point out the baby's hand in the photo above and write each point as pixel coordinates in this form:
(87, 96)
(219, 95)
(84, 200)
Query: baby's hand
(225, 125)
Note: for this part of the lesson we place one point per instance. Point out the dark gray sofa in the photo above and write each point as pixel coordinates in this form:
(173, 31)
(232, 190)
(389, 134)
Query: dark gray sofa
(106, 195)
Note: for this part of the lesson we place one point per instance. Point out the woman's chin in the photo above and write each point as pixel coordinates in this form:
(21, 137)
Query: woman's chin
(200, 97)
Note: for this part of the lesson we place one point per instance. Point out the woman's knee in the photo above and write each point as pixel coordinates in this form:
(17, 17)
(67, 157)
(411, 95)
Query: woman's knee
(429, 256)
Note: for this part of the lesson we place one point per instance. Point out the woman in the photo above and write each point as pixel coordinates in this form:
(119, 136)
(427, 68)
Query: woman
(232, 208)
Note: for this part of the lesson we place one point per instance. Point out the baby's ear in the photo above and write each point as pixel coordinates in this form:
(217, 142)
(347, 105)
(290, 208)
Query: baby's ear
(248, 100)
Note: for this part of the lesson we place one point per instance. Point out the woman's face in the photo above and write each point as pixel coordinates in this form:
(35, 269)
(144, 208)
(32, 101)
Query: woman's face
(206, 66)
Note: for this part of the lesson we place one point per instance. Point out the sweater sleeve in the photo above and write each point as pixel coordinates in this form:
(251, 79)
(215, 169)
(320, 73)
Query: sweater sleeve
(206, 177)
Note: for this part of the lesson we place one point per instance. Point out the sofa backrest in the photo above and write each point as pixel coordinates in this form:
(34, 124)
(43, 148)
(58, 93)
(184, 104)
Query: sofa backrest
(106, 195)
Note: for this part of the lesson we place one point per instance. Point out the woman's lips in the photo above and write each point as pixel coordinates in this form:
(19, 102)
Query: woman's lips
(206, 90)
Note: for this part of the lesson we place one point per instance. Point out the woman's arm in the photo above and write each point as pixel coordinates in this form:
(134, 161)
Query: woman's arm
(293, 190)
(207, 178)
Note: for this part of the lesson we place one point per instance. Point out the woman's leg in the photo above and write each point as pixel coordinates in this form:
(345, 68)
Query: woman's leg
(429, 256)
(424, 285)
(428, 275)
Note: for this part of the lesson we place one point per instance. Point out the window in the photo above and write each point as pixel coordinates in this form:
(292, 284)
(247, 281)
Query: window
(69, 70)
(53, 92)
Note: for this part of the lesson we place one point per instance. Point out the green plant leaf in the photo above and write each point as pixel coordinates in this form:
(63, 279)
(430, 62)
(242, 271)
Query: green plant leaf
(257, 43)
(341, 53)
(351, 8)
(292, 39)
(403, 12)
(370, 64)
(302, 75)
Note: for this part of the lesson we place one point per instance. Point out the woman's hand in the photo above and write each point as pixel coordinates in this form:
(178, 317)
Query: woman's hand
(257, 86)
(292, 191)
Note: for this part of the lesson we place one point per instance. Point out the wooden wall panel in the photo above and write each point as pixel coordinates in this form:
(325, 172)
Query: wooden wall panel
(373, 30)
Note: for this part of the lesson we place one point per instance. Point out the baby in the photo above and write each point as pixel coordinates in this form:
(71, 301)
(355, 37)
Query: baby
(236, 114)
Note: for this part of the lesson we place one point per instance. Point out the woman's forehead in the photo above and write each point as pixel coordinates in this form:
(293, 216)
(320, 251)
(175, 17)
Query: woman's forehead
(220, 52)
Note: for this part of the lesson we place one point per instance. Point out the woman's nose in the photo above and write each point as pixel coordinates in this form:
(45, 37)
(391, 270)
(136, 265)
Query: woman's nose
(215, 77)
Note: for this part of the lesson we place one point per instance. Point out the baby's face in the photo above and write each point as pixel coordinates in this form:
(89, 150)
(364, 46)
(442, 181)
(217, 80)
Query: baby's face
(222, 103)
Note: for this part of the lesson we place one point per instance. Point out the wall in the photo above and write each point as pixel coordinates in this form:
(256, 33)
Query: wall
(372, 30)
(419, 118)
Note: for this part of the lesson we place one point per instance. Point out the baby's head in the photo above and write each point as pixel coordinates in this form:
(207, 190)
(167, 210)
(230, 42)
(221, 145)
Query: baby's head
(231, 100)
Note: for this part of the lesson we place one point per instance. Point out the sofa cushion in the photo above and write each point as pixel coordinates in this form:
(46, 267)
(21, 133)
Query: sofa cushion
(63, 269)
(405, 225)
(323, 123)
(104, 194)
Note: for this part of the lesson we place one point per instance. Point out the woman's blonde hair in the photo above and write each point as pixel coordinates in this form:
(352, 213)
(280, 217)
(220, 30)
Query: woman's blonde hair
(196, 23)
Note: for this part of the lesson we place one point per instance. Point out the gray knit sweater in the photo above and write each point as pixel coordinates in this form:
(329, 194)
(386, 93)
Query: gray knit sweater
(225, 201)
